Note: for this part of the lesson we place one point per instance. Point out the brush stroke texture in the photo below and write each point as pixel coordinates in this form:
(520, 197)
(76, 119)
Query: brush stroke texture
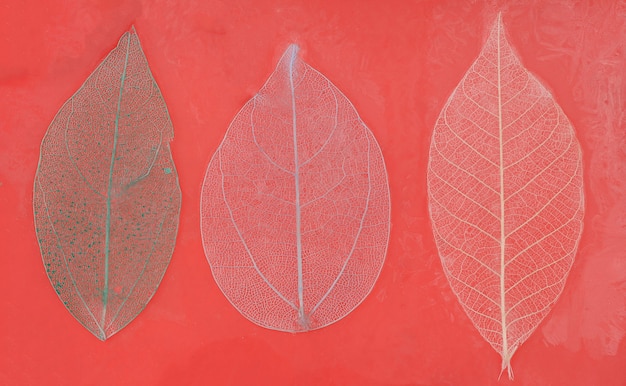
(506, 196)
(106, 197)
(295, 204)
(591, 316)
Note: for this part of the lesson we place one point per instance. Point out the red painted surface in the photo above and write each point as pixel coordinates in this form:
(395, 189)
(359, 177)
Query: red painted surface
(398, 62)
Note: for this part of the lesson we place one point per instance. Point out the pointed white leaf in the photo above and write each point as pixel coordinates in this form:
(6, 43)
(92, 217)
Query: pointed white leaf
(505, 195)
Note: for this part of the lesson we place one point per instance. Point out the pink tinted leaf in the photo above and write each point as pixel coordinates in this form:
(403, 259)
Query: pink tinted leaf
(106, 197)
(506, 196)
(295, 204)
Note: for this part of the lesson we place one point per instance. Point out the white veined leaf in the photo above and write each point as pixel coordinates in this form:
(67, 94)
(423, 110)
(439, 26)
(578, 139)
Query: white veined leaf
(505, 194)
(295, 204)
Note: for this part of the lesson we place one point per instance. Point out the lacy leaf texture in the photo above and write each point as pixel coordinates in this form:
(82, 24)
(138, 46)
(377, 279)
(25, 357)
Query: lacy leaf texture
(106, 195)
(506, 196)
(295, 204)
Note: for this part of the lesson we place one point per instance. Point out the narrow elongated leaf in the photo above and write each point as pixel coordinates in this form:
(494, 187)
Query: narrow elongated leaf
(107, 199)
(295, 204)
(505, 195)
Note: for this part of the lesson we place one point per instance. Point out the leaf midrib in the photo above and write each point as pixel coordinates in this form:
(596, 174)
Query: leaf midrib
(505, 347)
(107, 238)
(298, 207)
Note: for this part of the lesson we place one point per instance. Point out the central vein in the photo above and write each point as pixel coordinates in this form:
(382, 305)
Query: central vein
(297, 187)
(107, 234)
(502, 235)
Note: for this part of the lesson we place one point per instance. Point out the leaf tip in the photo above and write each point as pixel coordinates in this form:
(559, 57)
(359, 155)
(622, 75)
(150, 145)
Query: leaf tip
(499, 24)
(293, 50)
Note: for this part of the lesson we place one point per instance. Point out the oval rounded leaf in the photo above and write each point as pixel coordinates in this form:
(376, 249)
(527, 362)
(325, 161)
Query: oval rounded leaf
(506, 196)
(106, 198)
(295, 204)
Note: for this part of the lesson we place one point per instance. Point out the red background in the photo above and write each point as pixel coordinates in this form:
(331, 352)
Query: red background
(397, 61)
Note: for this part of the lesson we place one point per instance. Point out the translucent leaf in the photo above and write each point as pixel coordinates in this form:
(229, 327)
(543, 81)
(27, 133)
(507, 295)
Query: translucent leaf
(506, 196)
(295, 204)
(106, 198)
